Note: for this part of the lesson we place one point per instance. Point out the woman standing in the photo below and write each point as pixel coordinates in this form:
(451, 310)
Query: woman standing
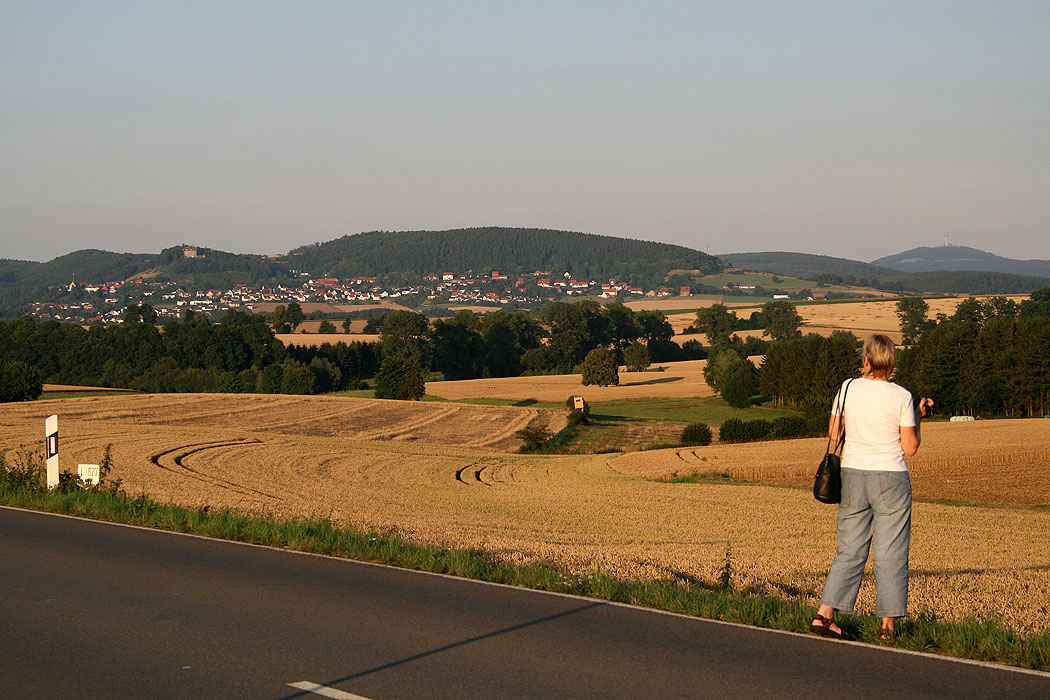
(882, 426)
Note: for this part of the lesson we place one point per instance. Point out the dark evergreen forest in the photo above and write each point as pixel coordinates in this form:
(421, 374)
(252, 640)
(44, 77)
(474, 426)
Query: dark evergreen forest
(509, 250)
(239, 354)
(989, 358)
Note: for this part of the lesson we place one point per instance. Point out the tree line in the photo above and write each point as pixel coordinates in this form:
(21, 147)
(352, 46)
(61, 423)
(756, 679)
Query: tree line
(237, 354)
(507, 344)
(240, 353)
(989, 358)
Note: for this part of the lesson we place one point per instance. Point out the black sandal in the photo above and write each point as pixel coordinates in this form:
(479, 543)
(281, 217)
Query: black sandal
(823, 628)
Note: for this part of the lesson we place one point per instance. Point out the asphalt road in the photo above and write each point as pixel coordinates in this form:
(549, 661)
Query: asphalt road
(92, 610)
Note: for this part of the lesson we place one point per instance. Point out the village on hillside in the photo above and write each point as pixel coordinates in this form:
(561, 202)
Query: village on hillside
(104, 302)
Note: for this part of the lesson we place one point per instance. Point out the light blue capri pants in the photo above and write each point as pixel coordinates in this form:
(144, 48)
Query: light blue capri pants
(875, 512)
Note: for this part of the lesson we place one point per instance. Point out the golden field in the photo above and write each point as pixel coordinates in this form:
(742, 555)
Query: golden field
(861, 318)
(674, 380)
(671, 304)
(990, 461)
(476, 309)
(440, 473)
(317, 339)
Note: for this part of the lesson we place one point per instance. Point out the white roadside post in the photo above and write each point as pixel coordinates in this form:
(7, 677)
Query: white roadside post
(51, 431)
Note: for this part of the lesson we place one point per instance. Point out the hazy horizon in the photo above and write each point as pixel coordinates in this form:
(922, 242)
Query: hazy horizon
(848, 129)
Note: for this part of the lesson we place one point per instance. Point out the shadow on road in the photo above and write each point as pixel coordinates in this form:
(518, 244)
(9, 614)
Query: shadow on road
(447, 647)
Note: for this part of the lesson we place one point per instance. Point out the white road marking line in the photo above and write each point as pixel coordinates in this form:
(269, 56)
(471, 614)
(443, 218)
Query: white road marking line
(325, 691)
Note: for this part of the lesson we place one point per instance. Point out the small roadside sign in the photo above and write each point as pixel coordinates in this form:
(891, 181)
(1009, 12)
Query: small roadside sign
(89, 473)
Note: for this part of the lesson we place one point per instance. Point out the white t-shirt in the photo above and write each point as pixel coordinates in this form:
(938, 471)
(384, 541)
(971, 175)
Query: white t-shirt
(875, 413)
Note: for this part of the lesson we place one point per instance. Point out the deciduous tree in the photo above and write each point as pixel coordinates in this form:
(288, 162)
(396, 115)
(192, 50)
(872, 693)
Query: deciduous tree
(782, 320)
(717, 322)
(636, 357)
(19, 381)
(599, 367)
(400, 377)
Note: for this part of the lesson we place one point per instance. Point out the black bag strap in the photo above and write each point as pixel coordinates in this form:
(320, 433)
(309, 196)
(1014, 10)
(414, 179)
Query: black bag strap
(842, 418)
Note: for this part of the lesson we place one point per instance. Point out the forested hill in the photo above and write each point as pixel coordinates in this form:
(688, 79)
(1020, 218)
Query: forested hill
(803, 265)
(10, 270)
(214, 266)
(413, 253)
(960, 257)
(83, 265)
(823, 268)
(509, 250)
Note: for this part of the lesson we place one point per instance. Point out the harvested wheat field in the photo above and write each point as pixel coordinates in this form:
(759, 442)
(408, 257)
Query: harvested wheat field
(476, 309)
(866, 317)
(696, 301)
(993, 461)
(340, 458)
(356, 326)
(668, 379)
(861, 318)
(312, 340)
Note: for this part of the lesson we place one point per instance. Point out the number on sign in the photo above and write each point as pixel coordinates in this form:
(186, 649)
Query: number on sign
(89, 473)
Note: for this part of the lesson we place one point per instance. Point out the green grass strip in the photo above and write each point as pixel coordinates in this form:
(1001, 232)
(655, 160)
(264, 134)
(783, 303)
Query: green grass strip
(986, 640)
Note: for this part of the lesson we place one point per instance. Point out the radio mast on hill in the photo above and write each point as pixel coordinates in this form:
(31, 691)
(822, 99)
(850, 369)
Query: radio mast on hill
(946, 243)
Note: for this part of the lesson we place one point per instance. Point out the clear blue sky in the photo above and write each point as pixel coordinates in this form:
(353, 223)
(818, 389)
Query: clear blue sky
(854, 129)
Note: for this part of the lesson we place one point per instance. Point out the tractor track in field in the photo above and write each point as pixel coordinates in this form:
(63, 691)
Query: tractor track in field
(183, 451)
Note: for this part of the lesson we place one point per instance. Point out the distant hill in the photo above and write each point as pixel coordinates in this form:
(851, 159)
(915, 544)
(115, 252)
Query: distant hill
(513, 251)
(803, 265)
(822, 268)
(84, 266)
(960, 257)
(509, 250)
(211, 267)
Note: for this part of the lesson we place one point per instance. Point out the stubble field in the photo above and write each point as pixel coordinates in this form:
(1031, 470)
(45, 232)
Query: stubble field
(860, 318)
(666, 379)
(443, 474)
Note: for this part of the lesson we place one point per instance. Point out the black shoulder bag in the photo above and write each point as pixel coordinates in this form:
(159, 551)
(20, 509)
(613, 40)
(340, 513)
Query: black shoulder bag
(827, 485)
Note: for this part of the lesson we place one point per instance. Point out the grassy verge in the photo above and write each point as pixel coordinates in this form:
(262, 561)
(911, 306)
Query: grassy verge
(982, 640)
